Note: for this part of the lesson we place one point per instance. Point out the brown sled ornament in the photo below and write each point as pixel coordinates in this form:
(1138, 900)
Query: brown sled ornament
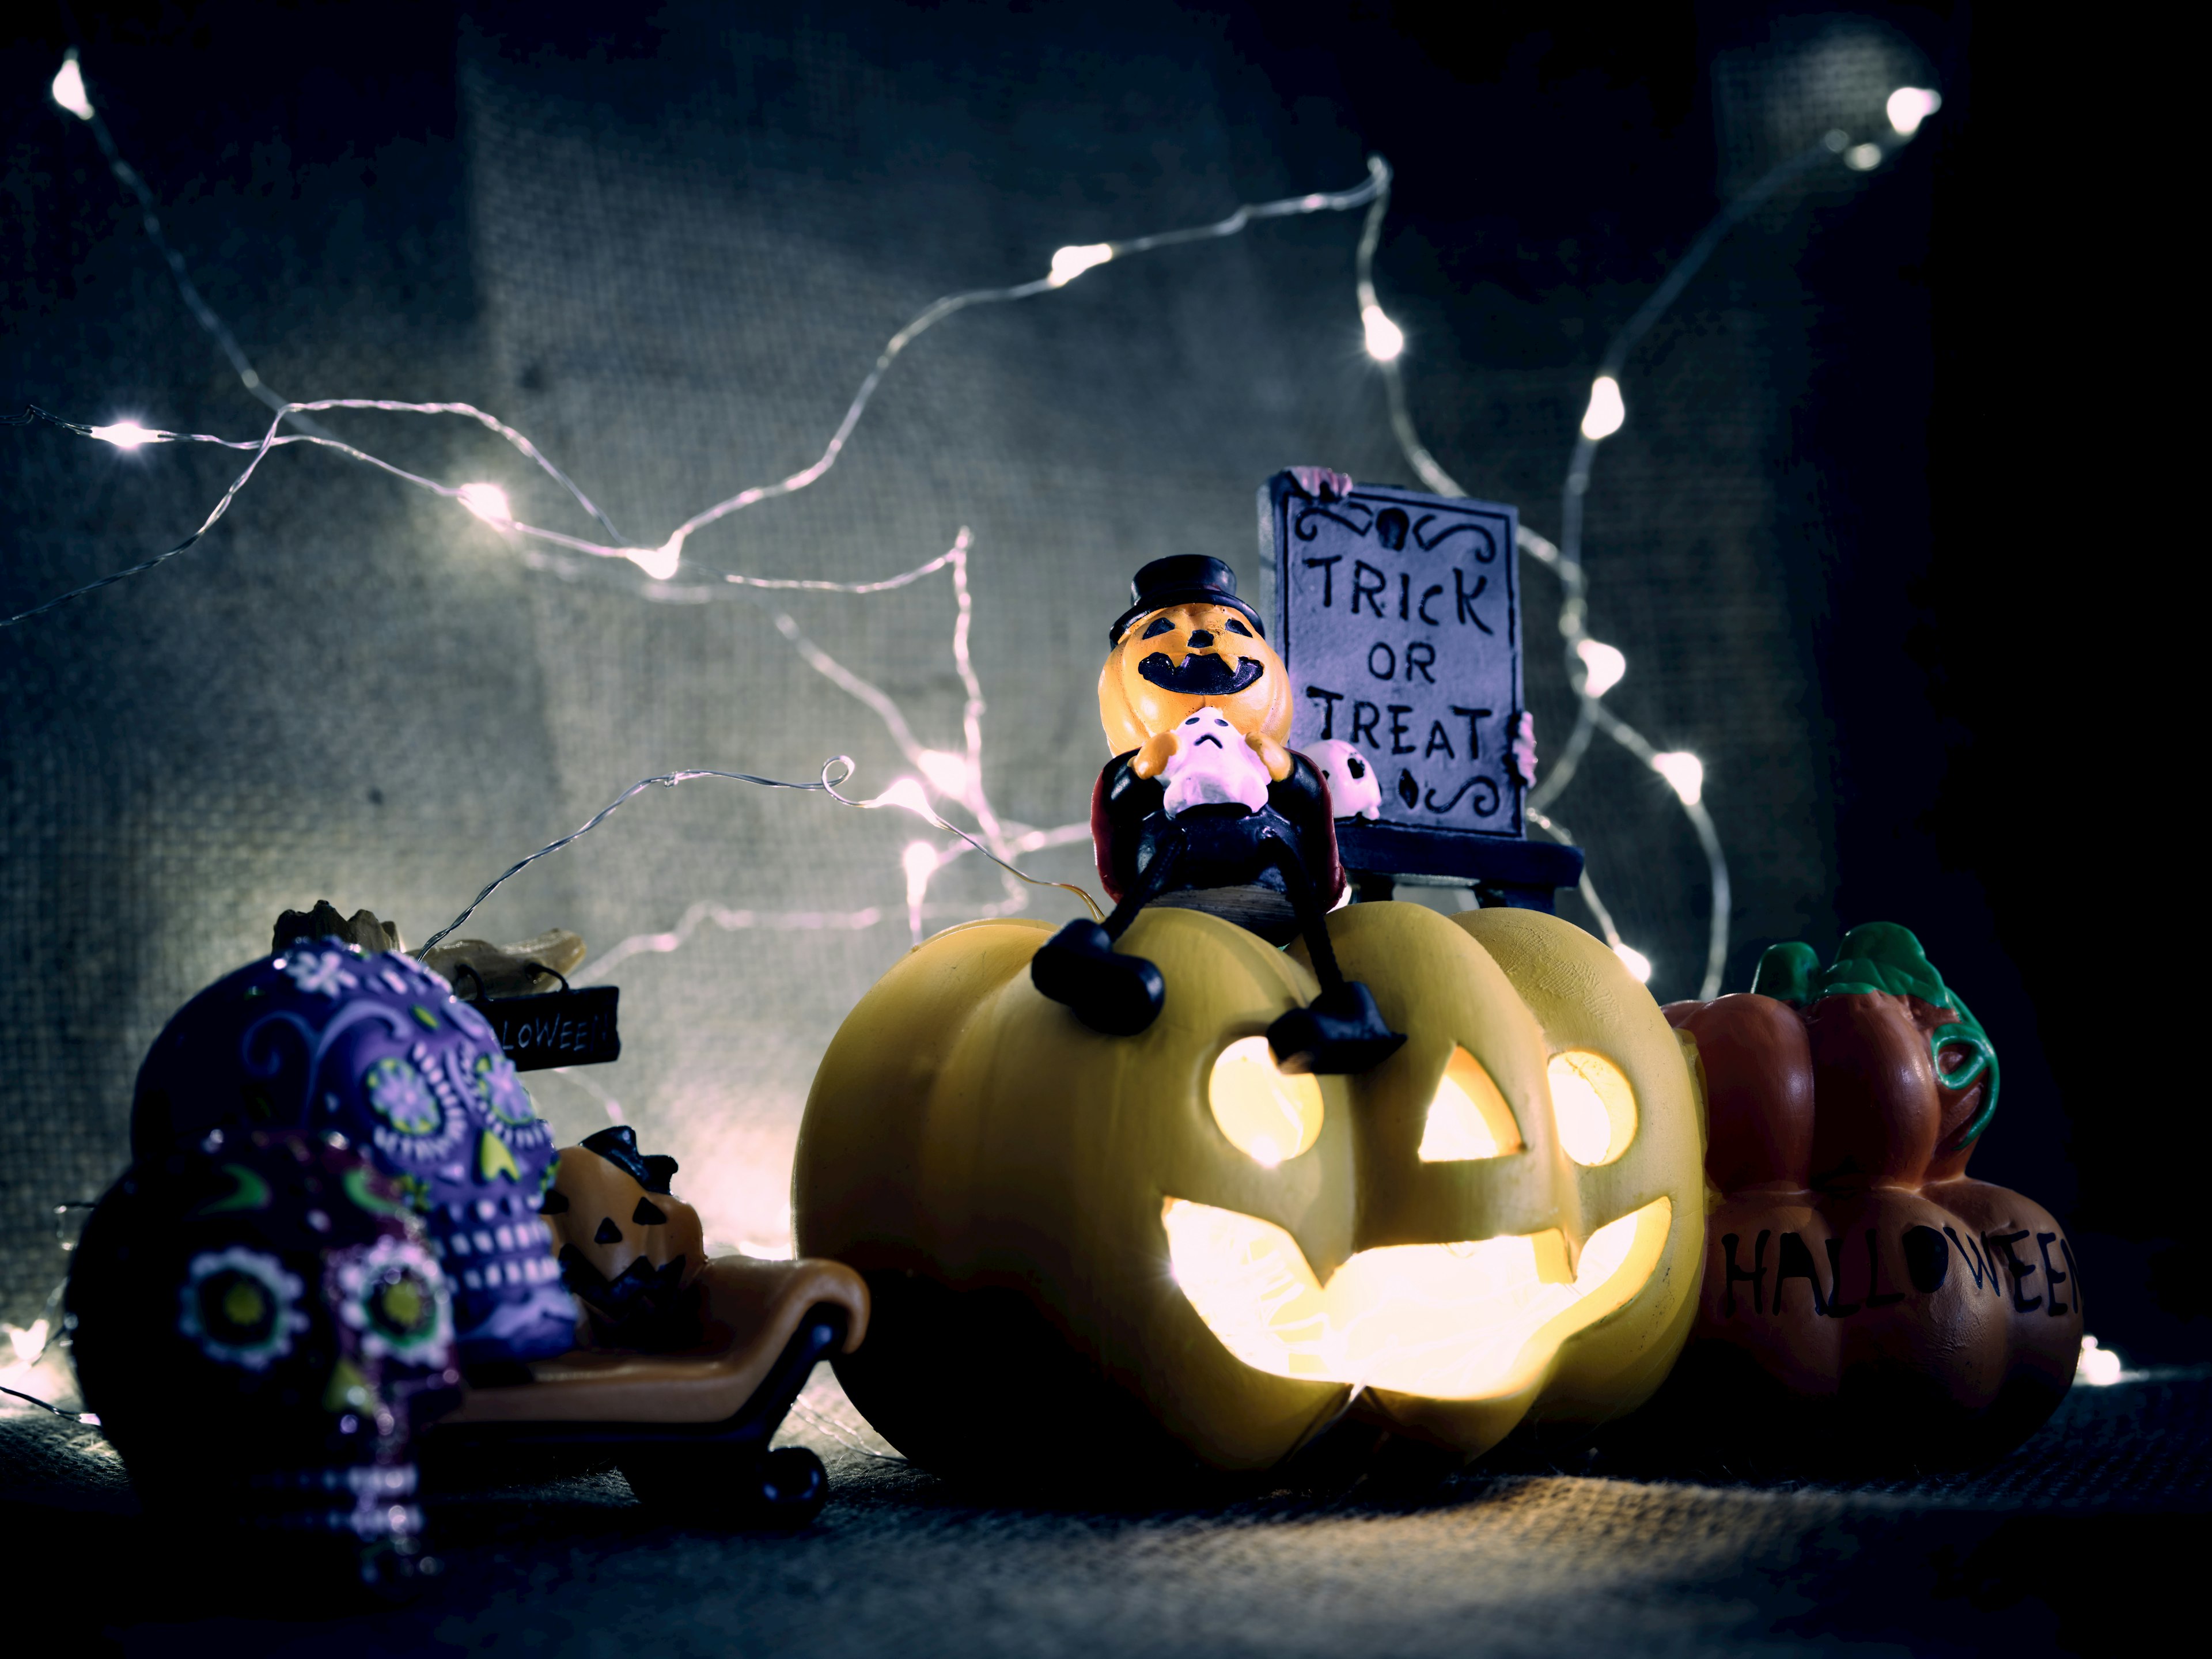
(1861, 1294)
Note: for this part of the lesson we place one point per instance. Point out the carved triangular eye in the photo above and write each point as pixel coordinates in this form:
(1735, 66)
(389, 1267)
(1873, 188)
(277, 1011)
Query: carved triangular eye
(1468, 1117)
(556, 1202)
(648, 1214)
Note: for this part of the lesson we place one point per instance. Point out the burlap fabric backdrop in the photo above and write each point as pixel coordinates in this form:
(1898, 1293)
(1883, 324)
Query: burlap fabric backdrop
(672, 266)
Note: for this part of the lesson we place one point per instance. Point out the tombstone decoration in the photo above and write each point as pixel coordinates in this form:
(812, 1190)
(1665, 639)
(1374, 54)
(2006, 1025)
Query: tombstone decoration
(1398, 616)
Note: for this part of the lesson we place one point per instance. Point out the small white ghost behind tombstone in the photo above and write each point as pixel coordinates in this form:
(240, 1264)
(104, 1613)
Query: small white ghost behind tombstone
(1352, 790)
(1213, 766)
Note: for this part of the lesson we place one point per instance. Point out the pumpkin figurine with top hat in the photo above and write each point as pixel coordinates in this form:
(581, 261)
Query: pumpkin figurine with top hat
(1202, 807)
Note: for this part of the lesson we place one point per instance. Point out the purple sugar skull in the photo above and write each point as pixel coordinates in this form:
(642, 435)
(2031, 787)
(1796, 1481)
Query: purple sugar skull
(323, 1039)
(256, 1323)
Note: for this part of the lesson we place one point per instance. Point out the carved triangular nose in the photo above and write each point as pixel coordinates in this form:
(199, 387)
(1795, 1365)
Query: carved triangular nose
(1200, 638)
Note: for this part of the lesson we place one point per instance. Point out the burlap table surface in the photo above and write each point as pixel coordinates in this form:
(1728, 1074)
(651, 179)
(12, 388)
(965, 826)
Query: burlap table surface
(2082, 1539)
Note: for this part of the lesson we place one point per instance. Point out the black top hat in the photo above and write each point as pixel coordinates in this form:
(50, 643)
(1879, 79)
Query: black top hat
(1182, 579)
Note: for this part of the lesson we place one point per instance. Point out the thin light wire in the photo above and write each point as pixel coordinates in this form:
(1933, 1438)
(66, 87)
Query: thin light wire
(43, 1405)
(670, 552)
(665, 779)
(930, 813)
(219, 331)
(1564, 560)
(1005, 840)
(270, 440)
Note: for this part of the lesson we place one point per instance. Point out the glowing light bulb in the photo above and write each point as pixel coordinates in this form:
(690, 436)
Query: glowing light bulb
(2097, 1367)
(1862, 158)
(1636, 962)
(906, 793)
(1385, 339)
(657, 562)
(1603, 666)
(1908, 107)
(69, 90)
(948, 773)
(920, 863)
(28, 1345)
(489, 503)
(125, 434)
(1070, 263)
(1606, 412)
(1683, 770)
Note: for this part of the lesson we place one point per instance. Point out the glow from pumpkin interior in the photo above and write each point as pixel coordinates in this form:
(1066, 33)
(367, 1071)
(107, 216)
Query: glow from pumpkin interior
(1468, 1117)
(1267, 1115)
(1593, 1105)
(1446, 1321)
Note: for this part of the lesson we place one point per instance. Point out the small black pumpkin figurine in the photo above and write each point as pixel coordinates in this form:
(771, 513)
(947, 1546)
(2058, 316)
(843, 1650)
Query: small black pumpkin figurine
(629, 1248)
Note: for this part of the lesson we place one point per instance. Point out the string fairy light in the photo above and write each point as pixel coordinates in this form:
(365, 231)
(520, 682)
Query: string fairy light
(959, 778)
(955, 778)
(659, 562)
(1593, 667)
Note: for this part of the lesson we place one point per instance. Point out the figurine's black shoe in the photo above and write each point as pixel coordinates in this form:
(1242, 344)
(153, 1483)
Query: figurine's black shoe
(1116, 994)
(1339, 1031)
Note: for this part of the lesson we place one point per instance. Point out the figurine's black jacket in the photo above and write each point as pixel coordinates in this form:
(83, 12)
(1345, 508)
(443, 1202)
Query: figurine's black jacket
(1128, 814)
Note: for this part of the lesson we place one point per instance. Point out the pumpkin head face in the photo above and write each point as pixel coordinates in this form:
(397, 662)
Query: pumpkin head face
(1168, 663)
(1237, 1251)
(629, 1247)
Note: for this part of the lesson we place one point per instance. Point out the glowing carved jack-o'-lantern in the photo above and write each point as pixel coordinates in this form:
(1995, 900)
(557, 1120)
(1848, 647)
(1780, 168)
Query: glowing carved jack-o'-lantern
(1162, 1250)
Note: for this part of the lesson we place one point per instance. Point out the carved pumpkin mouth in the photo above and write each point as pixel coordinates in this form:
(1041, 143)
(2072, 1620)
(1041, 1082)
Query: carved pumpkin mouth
(1445, 1321)
(1200, 674)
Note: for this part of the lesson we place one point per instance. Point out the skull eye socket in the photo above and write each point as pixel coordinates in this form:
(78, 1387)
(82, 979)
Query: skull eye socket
(1594, 1105)
(1267, 1116)
(1468, 1117)
(1157, 626)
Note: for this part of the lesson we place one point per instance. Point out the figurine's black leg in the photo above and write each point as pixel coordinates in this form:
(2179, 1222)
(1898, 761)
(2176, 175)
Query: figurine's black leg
(1341, 1031)
(1119, 995)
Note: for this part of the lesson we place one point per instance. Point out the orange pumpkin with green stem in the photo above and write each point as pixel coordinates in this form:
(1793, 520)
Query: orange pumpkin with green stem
(1861, 1290)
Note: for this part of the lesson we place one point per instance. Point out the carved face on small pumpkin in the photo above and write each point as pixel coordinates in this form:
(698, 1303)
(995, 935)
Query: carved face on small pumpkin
(1484, 1224)
(1168, 663)
(629, 1247)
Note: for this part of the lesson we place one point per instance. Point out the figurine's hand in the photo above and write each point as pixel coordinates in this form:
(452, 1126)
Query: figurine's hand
(1521, 753)
(1320, 483)
(1152, 759)
(1272, 755)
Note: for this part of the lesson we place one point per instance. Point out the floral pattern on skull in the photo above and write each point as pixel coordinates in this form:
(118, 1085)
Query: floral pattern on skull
(254, 1320)
(323, 1039)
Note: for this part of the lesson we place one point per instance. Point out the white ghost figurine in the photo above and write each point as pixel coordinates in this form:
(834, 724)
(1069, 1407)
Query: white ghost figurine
(1213, 765)
(1352, 790)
